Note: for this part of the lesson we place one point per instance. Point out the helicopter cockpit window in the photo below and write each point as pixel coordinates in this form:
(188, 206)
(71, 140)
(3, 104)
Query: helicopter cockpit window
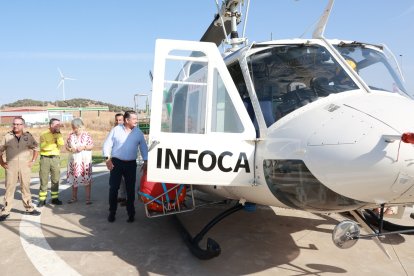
(374, 65)
(184, 100)
(287, 77)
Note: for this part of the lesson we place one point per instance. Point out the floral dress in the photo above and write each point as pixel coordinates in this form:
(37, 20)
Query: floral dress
(79, 163)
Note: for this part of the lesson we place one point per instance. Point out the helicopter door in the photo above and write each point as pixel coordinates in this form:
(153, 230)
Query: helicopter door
(200, 131)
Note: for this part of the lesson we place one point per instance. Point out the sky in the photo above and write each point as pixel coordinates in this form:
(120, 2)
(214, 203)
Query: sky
(108, 45)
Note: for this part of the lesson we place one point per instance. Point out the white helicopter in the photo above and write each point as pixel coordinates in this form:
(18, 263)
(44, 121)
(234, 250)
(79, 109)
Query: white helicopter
(322, 125)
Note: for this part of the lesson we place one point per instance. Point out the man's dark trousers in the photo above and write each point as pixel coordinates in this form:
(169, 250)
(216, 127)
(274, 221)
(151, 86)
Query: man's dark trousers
(128, 170)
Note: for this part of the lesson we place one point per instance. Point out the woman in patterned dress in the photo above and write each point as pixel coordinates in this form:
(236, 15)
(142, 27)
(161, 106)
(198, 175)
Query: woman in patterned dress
(79, 144)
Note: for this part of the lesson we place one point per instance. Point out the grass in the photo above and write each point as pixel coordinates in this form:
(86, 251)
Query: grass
(97, 126)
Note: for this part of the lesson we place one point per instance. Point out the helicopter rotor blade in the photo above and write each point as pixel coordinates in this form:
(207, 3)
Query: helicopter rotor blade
(214, 32)
(320, 27)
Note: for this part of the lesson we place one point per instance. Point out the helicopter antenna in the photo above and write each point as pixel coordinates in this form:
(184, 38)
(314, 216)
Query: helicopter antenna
(222, 21)
(245, 18)
(320, 28)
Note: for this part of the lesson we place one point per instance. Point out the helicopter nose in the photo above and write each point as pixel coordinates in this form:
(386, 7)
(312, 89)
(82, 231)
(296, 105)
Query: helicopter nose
(371, 159)
(392, 109)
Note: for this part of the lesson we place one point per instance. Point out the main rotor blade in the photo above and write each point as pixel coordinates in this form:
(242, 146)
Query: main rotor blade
(60, 72)
(215, 33)
(320, 28)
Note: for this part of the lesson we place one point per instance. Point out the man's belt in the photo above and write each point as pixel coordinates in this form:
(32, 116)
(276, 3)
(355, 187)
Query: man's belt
(123, 160)
(49, 156)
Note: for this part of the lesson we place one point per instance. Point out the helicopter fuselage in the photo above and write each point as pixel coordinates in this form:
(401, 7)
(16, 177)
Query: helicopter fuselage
(304, 124)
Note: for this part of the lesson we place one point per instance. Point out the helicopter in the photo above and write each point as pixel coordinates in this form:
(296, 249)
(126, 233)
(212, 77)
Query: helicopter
(313, 124)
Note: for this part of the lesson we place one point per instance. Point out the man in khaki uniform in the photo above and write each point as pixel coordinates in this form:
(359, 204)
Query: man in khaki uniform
(21, 152)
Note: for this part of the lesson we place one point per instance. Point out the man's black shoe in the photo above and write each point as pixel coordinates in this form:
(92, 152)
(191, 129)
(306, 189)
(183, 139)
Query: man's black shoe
(56, 201)
(33, 213)
(412, 215)
(41, 203)
(130, 219)
(3, 217)
(111, 217)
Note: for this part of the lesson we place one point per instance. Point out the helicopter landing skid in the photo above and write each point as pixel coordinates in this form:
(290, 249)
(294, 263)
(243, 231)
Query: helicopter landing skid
(375, 220)
(213, 248)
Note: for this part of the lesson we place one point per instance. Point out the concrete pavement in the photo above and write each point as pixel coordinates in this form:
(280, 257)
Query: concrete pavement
(76, 239)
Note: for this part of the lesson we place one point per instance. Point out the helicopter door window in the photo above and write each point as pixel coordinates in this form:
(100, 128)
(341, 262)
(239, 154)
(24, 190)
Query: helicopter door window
(188, 107)
(224, 114)
(178, 110)
(183, 97)
(194, 118)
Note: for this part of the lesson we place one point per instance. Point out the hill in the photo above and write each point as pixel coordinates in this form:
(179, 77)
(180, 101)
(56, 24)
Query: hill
(77, 102)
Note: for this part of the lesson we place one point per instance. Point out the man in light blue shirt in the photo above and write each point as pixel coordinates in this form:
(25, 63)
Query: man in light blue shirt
(119, 120)
(120, 150)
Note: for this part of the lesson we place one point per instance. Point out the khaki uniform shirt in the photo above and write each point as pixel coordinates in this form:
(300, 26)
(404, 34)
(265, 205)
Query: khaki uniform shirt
(18, 150)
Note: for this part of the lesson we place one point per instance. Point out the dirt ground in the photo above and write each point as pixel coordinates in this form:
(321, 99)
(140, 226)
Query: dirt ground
(97, 126)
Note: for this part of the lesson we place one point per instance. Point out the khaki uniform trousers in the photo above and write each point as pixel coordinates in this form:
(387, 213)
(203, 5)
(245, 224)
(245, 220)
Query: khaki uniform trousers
(49, 165)
(17, 171)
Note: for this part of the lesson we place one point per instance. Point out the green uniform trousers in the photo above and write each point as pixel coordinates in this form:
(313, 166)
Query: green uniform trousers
(49, 165)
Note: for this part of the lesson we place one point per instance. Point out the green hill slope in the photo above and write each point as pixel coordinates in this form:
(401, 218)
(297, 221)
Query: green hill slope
(78, 102)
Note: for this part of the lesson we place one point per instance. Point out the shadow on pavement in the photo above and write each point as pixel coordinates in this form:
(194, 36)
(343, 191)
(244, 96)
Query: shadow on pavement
(251, 242)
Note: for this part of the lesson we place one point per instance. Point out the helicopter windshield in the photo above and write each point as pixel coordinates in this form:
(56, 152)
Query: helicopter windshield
(375, 65)
(287, 77)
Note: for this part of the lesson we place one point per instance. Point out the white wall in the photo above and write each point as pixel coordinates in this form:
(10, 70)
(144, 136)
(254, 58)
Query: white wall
(36, 118)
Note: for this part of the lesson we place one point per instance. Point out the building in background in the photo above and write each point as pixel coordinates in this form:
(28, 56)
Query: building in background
(31, 115)
(42, 115)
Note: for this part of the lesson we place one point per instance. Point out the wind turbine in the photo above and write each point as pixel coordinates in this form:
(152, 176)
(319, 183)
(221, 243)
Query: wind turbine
(62, 82)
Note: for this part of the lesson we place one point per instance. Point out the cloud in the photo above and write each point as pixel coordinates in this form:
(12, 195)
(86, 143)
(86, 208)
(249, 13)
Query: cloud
(76, 56)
